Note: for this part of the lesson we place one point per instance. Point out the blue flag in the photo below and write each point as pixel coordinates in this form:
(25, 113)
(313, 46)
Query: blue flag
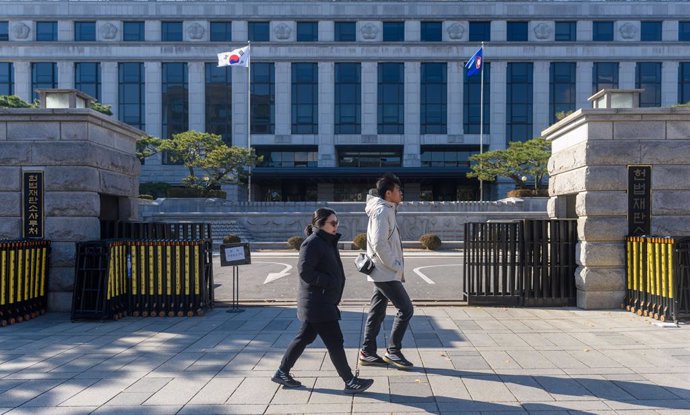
(475, 63)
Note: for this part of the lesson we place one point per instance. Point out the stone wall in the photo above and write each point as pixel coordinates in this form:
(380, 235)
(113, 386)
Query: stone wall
(84, 155)
(591, 151)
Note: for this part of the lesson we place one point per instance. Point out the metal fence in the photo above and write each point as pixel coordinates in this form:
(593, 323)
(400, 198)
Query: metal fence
(23, 279)
(520, 263)
(155, 230)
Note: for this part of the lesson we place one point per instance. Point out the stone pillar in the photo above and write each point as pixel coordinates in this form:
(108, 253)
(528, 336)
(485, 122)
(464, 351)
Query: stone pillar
(197, 96)
(499, 30)
(239, 30)
(498, 106)
(626, 75)
(540, 95)
(283, 79)
(411, 155)
(239, 104)
(65, 31)
(669, 83)
(413, 30)
(456, 76)
(109, 86)
(583, 86)
(326, 113)
(65, 75)
(150, 171)
(326, 32)
(22, 80)
(369, 97)
(152, 30)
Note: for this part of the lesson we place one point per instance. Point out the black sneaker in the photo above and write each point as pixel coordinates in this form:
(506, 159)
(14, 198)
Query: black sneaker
(398, 360)
(285, 379)
(357, 385)
(369, 359)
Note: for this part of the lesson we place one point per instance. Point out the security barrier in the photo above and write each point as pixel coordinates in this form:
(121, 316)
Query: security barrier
(23, 279)
(657, 276)
(142, 278)
(155, 230)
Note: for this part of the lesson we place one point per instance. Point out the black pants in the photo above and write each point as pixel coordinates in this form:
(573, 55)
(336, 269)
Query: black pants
(395, 292)
(332, 337)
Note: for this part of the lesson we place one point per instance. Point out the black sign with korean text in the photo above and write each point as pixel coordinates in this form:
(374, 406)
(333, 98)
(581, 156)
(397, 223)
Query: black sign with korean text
(235, 254)
(33, 214)
(639, 200)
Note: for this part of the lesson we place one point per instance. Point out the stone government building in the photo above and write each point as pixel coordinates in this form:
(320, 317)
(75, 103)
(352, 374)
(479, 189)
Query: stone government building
(345, 90)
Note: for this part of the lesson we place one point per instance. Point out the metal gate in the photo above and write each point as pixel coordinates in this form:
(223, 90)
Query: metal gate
(520, 263)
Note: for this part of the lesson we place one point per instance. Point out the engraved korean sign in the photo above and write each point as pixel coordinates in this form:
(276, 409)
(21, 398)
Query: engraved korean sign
(639, 200)
(32, 209)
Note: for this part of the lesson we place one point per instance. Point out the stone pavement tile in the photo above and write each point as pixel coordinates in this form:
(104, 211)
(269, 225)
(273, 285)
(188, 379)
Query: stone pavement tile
(536, 340)
(563, 359)
(483, 407)
(409, 389)
(598, 371)
(584, 406)
(222, 409)
(539, 325)
(271, 360)
(179, 390)
(25, 392)
(129, 399)
(525, 388)
(295, 396)
(206, 343)
(468, 362)
(80, 365)
(395, 408)
(511, 341)
(563, 388)
(139, 410)
(564, 341)
(7, 384)
(211, 362)
(644, 389)
(254, 391)
(427, 339)
(330, 390)
(499, 360)
(216, 391)
(377, 393)
(178, 363)
(60, 393)
(603, 388)
(245, 360)
(531, 359)
(594, 358)
(678, 385)
(448, 389)
(479, 339)
(492, 325)
(322, 408)
(82, 410)
(677, 404)
(100, 392)
(435, 359)
(488, 388)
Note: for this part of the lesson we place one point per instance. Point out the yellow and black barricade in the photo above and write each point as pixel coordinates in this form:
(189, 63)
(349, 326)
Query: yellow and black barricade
(23, 279)
(143, 278)
(657, 276)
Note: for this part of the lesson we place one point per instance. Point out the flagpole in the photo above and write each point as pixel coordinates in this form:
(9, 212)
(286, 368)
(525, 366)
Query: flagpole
(481, 124)
(249, 119)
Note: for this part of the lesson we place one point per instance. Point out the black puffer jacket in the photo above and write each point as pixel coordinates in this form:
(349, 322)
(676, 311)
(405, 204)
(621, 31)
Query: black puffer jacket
(322, 278)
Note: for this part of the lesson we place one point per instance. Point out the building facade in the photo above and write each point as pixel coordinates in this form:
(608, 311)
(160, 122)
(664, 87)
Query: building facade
(342, 91)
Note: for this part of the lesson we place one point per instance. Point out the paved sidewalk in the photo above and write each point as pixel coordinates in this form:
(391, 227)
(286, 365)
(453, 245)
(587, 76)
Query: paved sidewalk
(469, 360)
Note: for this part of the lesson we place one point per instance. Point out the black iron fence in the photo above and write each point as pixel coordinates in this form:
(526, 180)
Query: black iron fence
(658, 277)
(154, 230)
(520, 263)
(23, 279)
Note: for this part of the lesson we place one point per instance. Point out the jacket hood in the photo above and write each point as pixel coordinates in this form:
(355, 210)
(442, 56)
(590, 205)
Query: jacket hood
(374, 203)
(328, 236)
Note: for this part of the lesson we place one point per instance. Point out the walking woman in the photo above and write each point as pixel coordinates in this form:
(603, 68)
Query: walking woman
(321, 284)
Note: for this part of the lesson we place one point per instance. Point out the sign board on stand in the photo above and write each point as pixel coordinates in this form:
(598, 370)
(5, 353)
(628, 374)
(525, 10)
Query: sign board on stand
(235, 254)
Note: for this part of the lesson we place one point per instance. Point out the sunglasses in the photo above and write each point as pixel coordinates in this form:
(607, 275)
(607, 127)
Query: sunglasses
(333, 223)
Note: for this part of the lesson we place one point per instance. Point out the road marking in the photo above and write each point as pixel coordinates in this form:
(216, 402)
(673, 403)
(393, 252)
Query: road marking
(276, 275)
(427, 279)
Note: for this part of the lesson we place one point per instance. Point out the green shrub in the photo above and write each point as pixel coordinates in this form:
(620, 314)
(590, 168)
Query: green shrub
(102, 108)
(528, 193)
(192, 192)
(155, 189)
(295, 242)
(231, 239)
(13, 101)
(430, 241)
(146, 197)
(360, 241)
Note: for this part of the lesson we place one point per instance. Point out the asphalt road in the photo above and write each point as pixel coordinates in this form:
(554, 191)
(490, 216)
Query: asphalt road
(429, 276)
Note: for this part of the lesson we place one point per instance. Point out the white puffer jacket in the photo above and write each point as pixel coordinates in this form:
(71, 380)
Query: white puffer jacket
(384, 244)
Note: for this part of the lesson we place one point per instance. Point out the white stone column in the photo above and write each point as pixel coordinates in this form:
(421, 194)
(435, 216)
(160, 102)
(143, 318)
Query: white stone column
(326, 31)
(456, 77)
(412, 142)
(626, 75)
(326, 136)
(540, 94)
(65, 31)
(109, 86)
(197, 96)
(413, 30)
(498, 106)
(669, 30)
(283, 79)
(584, 30)
(369, 97)
(153, 91)
(669, 83)
(22, 80)
(239, 104)
(240, 31)
(65, 75)
(583, 85)
(152, 30)
(499, 30)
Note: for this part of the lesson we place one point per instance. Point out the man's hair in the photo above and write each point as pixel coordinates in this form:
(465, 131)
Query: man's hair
(386, 183)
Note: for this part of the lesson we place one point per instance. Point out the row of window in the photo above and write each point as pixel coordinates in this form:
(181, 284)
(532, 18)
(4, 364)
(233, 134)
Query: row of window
(347, 94)
(393, 31)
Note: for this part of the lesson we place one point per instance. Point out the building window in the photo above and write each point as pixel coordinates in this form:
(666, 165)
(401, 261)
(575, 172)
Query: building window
(345, 31)
(684, 83)
(566, 32)
(602, 31)
(393, 31)
(604, 76)
(518, 31)
(46, 31)
(87, 78)
(219, 101)
(175, 99)
(447, 156)
(290, 157)
(259, 31)
(221, 31)
(6, 78)
(131, 96)
(519, 102)
(171, 31)
(263, 98)
(307, 31)
(684, 31)
(648, 77)
(432, 31)
(391, 98)
(348, 98)
(84, 31)
(305, 102)
(133, 31)
(480, 31)
(472, 102)
(4, 31)
(561, 89)
(371, 156)
(650, 31)
(43, 76)
(434, 99)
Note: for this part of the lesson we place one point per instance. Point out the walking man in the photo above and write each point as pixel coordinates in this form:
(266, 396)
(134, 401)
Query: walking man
(384, 246)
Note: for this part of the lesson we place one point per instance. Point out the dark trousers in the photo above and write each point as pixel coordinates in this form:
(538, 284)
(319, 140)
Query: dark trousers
(332, 337)
(395, 292)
